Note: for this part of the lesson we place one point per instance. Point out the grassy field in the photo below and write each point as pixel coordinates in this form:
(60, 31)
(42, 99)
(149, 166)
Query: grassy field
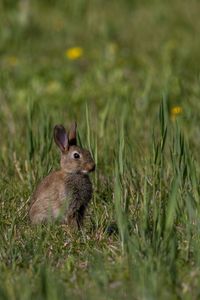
(129, 73)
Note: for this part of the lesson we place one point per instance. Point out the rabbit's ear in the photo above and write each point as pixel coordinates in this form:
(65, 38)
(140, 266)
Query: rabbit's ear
(72, 134)
(60, 138)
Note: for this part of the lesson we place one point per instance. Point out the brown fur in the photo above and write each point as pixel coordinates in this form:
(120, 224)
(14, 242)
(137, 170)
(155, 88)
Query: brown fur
(64, 194)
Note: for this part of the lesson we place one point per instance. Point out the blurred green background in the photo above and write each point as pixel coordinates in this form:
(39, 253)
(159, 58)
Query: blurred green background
(125, 70)
(133, 51)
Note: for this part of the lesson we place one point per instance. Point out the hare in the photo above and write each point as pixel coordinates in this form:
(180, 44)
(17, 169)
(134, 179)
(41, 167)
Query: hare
(64, 194)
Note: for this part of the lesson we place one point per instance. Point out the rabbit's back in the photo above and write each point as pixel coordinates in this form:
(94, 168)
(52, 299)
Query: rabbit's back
(48, 197)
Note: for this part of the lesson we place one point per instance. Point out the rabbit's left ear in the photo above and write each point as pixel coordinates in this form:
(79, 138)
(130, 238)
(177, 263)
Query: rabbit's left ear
(60, 138)
(72, 135)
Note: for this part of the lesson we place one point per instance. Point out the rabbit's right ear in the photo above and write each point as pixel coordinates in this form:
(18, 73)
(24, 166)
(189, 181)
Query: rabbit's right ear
(60, 138)
(72, 134)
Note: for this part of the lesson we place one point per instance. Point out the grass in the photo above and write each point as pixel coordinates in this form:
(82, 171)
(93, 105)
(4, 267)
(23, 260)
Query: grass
(140, 60)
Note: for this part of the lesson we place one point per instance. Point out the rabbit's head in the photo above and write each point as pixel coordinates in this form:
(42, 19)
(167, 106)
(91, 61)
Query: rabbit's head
(74, 159)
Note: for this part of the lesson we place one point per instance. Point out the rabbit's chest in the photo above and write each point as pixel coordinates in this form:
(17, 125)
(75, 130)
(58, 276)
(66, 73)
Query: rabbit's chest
(79, 187)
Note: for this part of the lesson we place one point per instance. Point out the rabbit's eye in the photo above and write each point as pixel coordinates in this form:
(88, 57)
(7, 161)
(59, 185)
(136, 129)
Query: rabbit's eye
(76, 155)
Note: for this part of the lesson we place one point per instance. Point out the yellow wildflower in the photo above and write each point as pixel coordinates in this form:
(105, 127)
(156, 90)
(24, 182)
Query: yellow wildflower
(176, 111)
(74, 53)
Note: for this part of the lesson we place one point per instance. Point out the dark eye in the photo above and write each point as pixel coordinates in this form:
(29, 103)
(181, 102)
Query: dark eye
(76, 155)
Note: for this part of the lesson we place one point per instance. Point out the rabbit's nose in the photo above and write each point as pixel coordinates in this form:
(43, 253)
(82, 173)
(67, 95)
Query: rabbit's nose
(93, 167)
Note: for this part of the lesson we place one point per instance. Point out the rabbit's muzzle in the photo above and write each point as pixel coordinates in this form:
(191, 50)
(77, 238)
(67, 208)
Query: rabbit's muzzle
(90, 167)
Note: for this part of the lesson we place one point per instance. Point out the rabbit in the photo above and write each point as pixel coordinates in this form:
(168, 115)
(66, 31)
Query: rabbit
(64, 194)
